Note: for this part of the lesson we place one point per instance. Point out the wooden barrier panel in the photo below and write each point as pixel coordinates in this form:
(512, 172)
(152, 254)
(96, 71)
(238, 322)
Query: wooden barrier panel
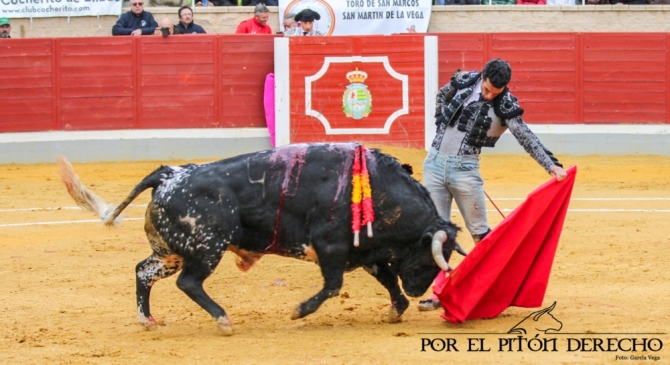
(26, 85)
(625, 78)
(544, 73)
(245, 62)
(94, 87)
(177, 82)
(369, 89)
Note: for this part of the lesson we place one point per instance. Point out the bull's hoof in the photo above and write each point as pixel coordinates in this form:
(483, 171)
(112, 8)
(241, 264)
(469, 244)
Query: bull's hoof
(225, 325)
(400, 305)
(393, 316)
(149, 323)
(296, 314)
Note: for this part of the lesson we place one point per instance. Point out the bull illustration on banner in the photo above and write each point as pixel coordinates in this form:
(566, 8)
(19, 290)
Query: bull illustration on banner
(357, 100)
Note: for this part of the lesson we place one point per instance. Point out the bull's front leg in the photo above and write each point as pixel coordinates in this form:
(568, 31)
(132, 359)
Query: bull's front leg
(399, 302)
(148, 272)
(332, 268)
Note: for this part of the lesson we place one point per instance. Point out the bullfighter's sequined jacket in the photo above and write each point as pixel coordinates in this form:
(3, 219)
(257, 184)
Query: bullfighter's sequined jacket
(464, 130)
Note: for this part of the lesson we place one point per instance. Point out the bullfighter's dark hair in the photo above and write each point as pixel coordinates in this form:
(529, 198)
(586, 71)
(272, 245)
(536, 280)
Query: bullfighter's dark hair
(498, 72)
(182, 8)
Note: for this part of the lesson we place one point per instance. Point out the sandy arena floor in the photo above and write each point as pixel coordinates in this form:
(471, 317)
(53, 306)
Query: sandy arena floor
(68, 286)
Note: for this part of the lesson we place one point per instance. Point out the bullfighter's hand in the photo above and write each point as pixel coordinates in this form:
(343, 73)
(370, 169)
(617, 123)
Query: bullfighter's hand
(558, 172)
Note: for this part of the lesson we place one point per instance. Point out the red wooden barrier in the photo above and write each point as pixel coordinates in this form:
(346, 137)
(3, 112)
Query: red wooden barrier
(94, 83)
(27, 96)
(217, 80)
(573, 78)
(108, 83)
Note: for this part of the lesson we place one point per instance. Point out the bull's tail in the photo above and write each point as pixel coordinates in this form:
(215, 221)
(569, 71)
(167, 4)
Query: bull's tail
(88, 200)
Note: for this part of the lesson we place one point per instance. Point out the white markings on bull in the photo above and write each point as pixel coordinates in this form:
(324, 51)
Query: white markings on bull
(188, 219)
(141, 318)
(259, 181)
(169, 185)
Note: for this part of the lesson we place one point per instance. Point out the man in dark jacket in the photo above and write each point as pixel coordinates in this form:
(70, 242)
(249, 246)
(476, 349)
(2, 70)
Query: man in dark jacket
(186, 24)
(136, 21)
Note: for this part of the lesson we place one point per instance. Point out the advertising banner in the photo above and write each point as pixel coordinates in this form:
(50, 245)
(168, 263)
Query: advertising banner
(58, 8)
(363, 17)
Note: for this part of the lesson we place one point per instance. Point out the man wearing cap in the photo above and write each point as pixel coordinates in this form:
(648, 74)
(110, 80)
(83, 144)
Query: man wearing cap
(306, 24)
(5, 28)
(136, 21)
(257, 24)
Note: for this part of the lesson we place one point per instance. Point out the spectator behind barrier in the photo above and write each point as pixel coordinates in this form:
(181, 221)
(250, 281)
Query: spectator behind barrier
(501, 2)
(628, 2)
(289, 22)
(166, 28)
(531, 2)
(136, 21)
(186, 24)
(5, 28)
(257, 24)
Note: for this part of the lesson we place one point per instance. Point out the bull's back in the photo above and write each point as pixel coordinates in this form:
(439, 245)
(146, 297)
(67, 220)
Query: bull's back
(274, 201)
(266, 201)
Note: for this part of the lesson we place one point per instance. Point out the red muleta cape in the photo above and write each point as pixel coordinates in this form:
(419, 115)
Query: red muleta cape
(511, 266)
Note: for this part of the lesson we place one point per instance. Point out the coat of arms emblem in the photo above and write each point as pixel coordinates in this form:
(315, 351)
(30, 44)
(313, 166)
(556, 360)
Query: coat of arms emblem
(357, 101)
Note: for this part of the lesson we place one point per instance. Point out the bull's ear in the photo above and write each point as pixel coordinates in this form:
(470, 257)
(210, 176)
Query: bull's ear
(452, 230)
(427, 239)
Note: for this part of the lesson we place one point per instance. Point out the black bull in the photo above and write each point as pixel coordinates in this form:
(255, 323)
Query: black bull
(292, 201)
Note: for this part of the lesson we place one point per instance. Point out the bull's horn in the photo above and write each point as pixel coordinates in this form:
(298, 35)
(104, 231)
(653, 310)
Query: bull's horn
(460, 250)
(438, 240)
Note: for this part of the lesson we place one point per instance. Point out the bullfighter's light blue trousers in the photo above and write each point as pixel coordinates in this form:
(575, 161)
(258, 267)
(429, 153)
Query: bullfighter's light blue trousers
(457, 178)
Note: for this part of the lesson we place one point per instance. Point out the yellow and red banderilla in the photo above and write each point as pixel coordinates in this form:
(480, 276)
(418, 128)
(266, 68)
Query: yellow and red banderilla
(361, 195)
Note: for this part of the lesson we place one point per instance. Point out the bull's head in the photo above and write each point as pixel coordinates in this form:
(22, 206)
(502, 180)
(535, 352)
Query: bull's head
(418, 269)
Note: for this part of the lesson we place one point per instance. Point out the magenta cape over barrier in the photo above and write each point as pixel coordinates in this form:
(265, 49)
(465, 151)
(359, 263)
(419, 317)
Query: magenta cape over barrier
(269, 105)
(511, 266)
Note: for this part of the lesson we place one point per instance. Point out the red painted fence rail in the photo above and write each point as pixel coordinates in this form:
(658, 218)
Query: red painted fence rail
(210, 81)
(106, 83)
(574, 78)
